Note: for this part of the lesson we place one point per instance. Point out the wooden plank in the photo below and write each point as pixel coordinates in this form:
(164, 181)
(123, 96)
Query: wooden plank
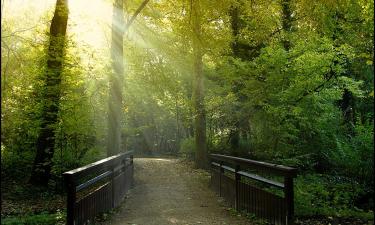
(261, 179)
(93, 181)
(101, 164)
(264, 166)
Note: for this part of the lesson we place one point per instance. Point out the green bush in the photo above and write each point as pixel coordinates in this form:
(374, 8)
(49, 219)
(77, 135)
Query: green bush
(187, 148)
(355, 154)
(317, 194)
(15, 165)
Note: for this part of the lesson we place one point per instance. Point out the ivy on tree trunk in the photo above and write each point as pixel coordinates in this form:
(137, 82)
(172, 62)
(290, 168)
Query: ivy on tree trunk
(41, 171)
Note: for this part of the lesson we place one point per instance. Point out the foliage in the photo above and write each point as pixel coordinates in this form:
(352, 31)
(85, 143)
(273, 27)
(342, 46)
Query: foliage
(43, 218)
(317, 194)
(187, 148)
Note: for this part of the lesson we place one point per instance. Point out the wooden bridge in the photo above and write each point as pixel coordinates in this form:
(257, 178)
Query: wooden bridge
(166, 191)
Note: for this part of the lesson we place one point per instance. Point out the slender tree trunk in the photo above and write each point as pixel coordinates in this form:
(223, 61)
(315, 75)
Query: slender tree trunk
(201, 157)
(177, 126)
(286, 22)
(116, 81)
(347, 105)
(234, 138)
(235, 25)
(116, 78)
(238, 50)
(51, 96)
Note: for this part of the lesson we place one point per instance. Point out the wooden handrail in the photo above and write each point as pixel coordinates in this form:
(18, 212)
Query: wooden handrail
(263, 166)
(116, 176)
(97, 166)
(238, 166)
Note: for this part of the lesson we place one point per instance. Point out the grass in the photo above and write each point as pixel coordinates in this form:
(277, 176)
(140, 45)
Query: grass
(43, 218)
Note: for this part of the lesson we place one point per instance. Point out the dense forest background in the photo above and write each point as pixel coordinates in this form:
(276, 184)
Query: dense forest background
(283, 81)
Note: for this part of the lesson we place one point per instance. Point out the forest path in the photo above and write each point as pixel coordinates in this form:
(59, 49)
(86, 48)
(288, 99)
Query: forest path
(169, 191)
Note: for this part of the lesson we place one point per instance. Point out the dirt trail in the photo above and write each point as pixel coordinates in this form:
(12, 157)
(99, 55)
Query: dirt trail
(168, 191)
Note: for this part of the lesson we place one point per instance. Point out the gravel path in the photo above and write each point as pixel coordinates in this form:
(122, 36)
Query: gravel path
(169, 191)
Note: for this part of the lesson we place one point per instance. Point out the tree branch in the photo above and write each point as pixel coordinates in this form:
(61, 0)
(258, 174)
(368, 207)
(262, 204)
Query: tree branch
(127, 25)
(318, 88)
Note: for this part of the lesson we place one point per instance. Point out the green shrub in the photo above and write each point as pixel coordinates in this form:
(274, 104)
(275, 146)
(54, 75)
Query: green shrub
(187, 148)
(15, 165)
(327, 195)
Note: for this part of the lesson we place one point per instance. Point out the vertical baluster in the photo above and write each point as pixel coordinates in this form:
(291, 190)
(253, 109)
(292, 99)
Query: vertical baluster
(249, 198)
(272, 208)
(253, 203)
(277, 214)
(221, 172)
(87, 208)
(252, 208)
(266, 212)
(237, 179)
(131, 170)
(289, 197)
(112, 186)
(261, 204)
(71, 198)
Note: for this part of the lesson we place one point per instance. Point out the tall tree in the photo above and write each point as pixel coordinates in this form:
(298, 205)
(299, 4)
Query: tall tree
(198, 88)
(116, 80)
(286, 22)
(51, 96)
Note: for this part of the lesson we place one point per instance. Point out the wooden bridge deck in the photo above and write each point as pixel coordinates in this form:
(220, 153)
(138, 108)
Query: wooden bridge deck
(167, 191)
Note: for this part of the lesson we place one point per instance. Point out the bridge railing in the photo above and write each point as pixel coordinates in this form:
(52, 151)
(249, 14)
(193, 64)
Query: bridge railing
(97, 187)
(233, 181)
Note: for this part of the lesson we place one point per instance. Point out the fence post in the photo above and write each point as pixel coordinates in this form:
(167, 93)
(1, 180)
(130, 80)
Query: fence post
(221, 172)
(71, 198)
(132, 170)
(113, 184)
(289, 197)
(237, 183)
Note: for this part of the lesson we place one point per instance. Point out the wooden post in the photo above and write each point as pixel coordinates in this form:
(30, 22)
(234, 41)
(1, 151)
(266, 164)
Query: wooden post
(289, 197)
(221, 172)
(113, 184)
(71, 198)
(237, 185)
(132, 170)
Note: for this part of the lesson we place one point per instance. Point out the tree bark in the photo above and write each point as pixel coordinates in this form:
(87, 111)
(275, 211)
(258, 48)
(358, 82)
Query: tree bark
(201, 156)
(234, 137)
(286, 22)
(51, 96)
(116, 81)
(240, 51)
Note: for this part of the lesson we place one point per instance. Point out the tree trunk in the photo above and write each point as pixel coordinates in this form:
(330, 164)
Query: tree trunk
(239, 51)
(347, 105)
(51, 96)
(286, 22)
(234, 137)
(177, 126)
(201, 157)
(116, 81)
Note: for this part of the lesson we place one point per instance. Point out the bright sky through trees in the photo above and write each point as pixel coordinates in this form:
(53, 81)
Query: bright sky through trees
(89, 23)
